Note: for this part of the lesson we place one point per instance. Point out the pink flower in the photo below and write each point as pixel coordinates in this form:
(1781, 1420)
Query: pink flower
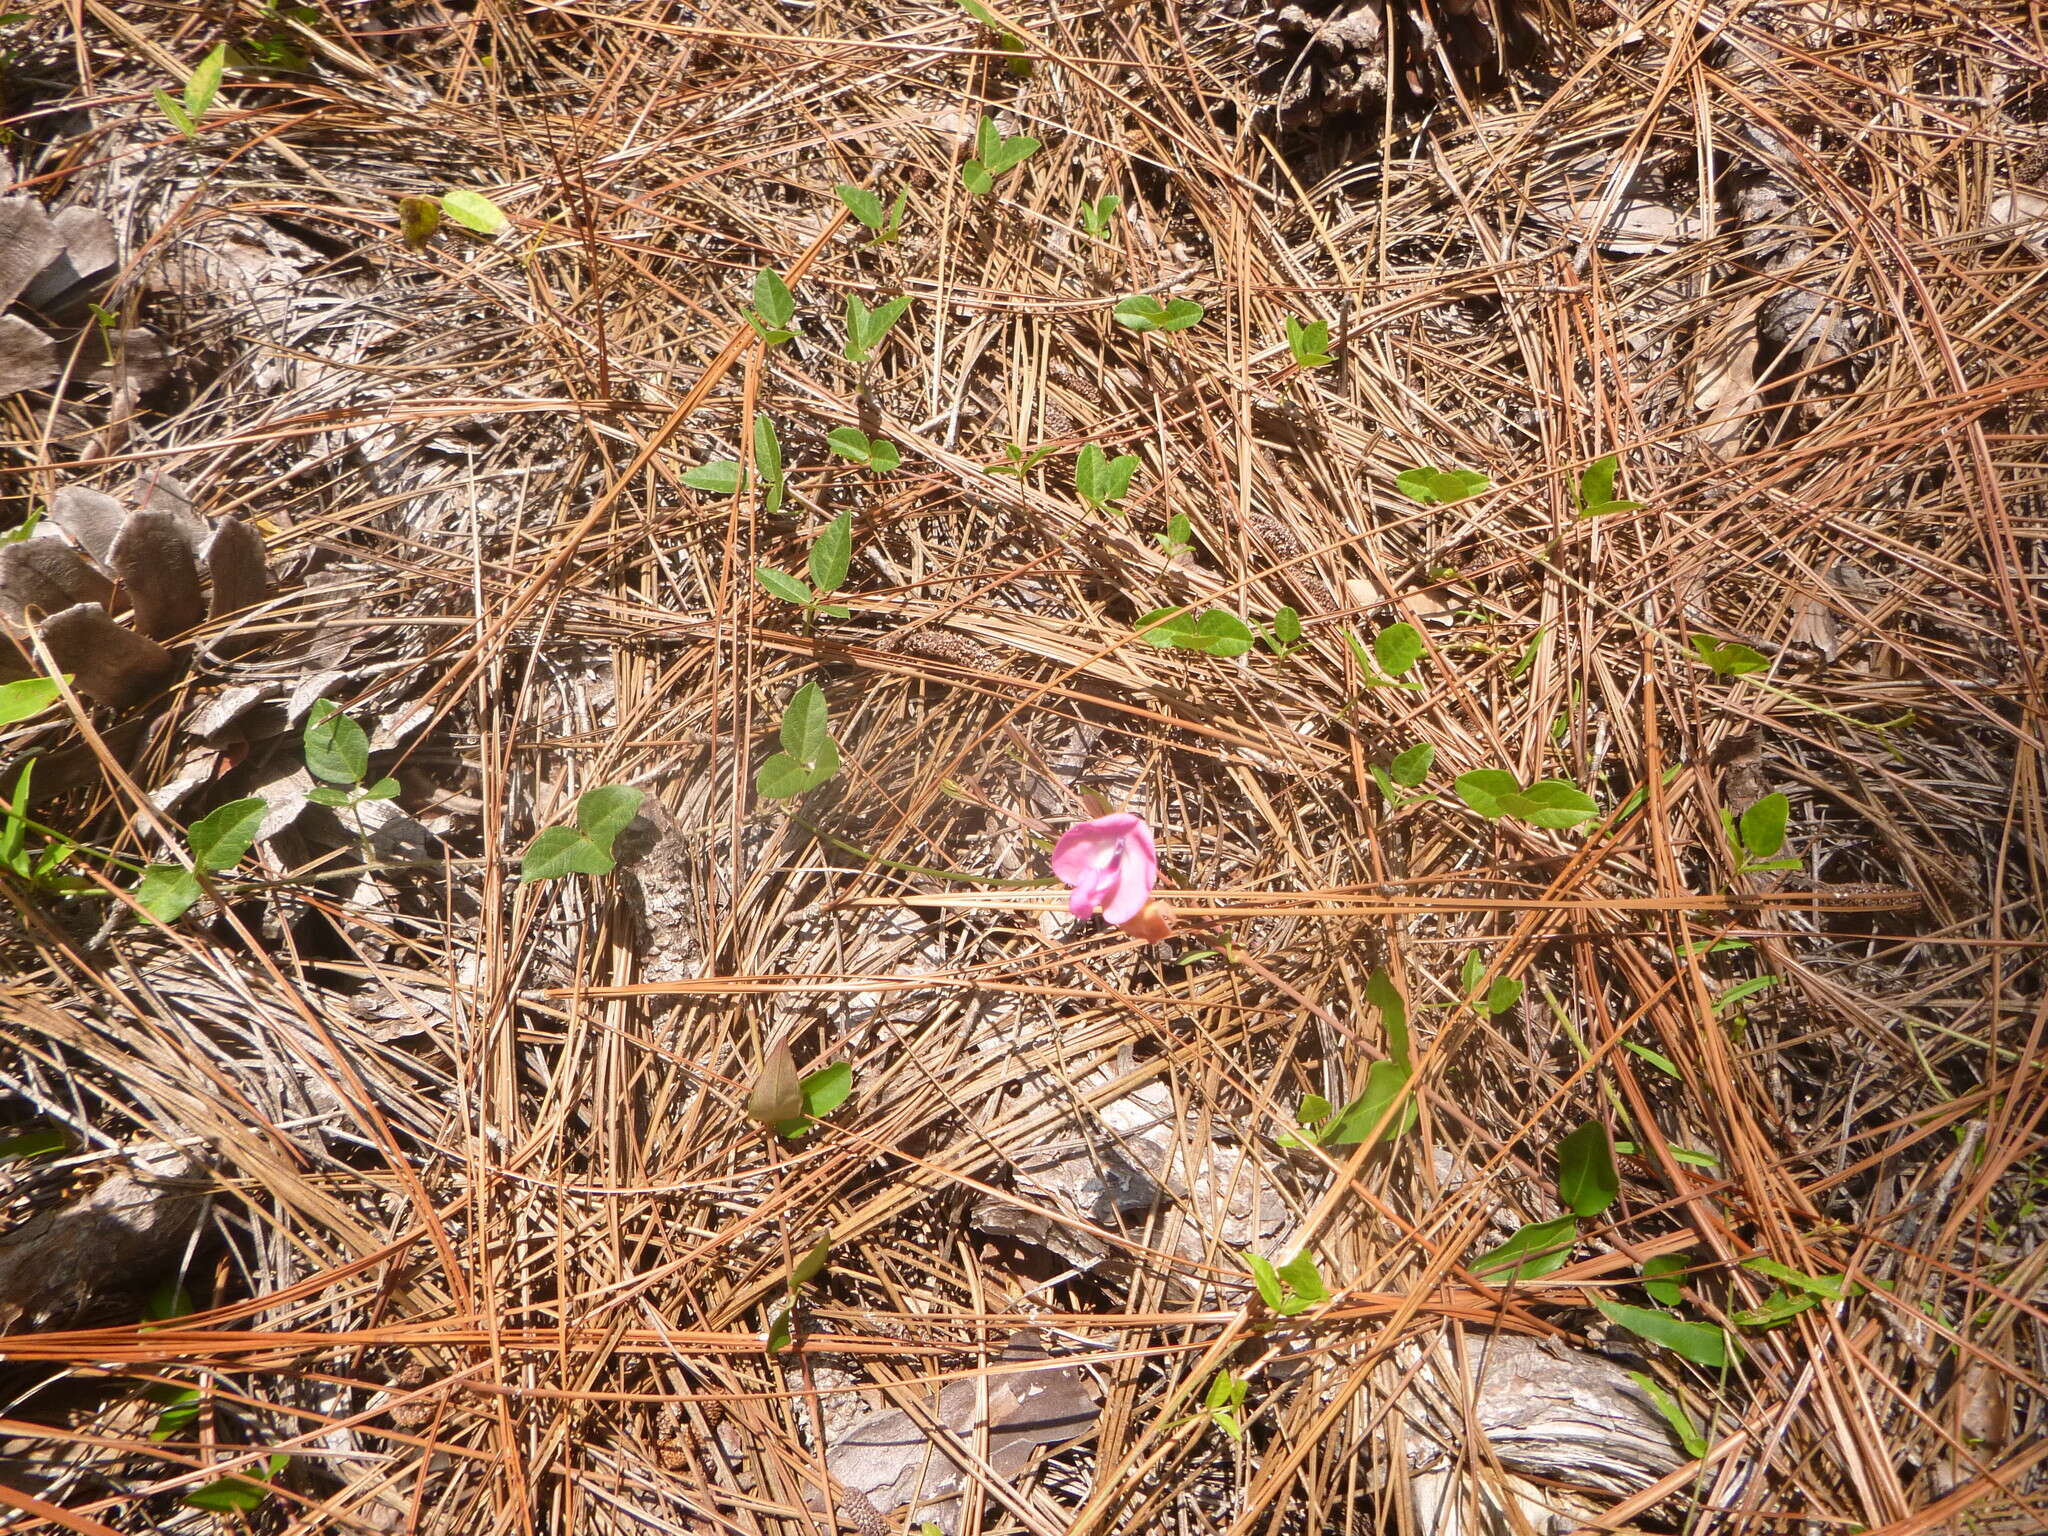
(1110, 864)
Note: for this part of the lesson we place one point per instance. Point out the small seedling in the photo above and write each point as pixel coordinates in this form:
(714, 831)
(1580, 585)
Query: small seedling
(1141, 313)
(1797, 1293)
(1309, 341)
(586, 848)
(27, 698)
(808, 757)
(472, 210)
(830, 554)
(1406, 772)
(1367, 1115)
(338, 752)
(1215, 633)
(1021, 460)
(1395, 650)
(36, 870)
(1494, 793)
(1730, 659)
(1290, 1288)
(886, 224)
(993, 155)
(1499, 997)
(1596, 488)
(801, 1274)
(876, 453)
(1101, 481)
(1179, 535)
(1096, 216)
(201, 86)
(1283, 636)
(1758, 835)
(1018, 65)
(217, 842)
(866, 327)
(774, 308)
(1223, 1402)
(1674, 1414)
(1440, 487)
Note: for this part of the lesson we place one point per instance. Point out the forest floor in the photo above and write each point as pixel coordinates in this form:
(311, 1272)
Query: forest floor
(1543, 512)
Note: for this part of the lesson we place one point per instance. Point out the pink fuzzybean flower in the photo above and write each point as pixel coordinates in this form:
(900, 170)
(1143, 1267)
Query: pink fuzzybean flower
(1110, 864)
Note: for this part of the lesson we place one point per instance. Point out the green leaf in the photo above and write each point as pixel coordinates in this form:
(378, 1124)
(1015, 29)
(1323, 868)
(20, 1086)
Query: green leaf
(1661, 1062)
(1471, 973)
(721, 477)
(1505, 992)
(773, 301)
(821, 1092)
(329, 794)
(1587, 1180)
(1309, 342)
(24, 1146)
(883, 455)
(1778, 1307)
(604, 812)
(1432, 487)
(789, 588)
(167, 892)
(1550, 803)
(1381, 992)
(337, 749)
(1660, 1277)
(1835, 1287)
(977, 179)
(220, 838)
(804, 724)
(783, 777)
(1411, 767)
(780, 1330)
(1287, 625)
(1701, 1343)
(180, 1411)
(1266, 1280)
(831, 553)
(1313, 1107)
(1010, 153)
(203, 84)
(1100, 480)
(1531, 1252)
(1674, 1414)
(833, 611)
(1397, 648)
(1157, 628)
(30, 696)
(1301, 1276)
(175, 111)
(811, 1265)
(1385, 1083)
(1483, 788)
(237, 1495)
(1596, 481)
(472, 210)
(1730, 660)
(1763, 825)
(559, 851)
(1222, 634)
(849, 443)
(767, 449)
(863, 205)
(1743, 989)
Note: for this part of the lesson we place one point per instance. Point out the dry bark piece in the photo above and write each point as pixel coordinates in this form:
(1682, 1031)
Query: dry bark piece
(888, 1460)
(1549, 1413)
(28, 358)
(153, 557)
(92, 518)
(48, 576)
(118, 1239)
(29, 242)
(108, 661)
(234, 562)
(87, 247)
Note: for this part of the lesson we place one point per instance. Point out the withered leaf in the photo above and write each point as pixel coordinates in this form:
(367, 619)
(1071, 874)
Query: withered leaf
(777, 1096)
(92, 518)
(235, 564)
(28, 243)
(28, 358)
(153, 559)
(108, 661)
(48, 576)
